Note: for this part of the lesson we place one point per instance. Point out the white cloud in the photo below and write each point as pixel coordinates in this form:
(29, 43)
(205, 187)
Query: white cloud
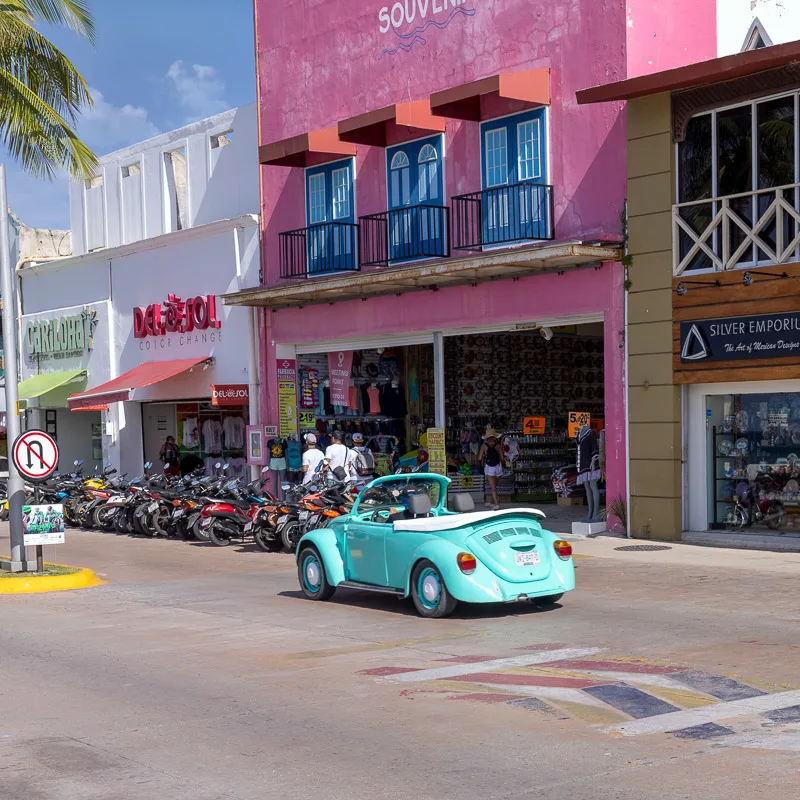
(199, 89)
(107, 127)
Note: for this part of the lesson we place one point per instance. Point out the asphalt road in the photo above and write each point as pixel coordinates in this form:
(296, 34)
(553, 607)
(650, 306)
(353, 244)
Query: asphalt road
(202, 673)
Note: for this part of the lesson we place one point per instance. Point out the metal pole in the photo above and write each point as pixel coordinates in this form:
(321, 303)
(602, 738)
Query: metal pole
(438, 378)
(16, 486)
(39, 549)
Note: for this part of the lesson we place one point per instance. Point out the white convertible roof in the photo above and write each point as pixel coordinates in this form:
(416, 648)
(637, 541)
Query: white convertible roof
(452, 521)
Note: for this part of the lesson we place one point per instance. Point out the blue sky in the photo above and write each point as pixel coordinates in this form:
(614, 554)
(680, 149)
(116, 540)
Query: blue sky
(157, 65)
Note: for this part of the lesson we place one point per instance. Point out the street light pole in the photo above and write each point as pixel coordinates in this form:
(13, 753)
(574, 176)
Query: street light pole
(16, 486)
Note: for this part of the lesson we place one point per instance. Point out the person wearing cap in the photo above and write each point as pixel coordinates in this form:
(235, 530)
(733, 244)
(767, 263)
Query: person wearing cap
(312, 458)
(491, 457)
(363, 465)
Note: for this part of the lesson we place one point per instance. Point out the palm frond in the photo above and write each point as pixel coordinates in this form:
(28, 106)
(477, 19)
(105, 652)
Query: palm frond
(72, 14)
(38, 136)
(34, 60)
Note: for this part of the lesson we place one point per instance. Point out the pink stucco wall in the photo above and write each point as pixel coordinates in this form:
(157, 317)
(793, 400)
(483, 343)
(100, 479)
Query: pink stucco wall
(665, 35)
(320, 62)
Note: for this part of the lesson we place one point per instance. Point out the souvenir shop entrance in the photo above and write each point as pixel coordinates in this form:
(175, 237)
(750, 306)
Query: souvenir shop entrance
(526, 383)
(204, 433)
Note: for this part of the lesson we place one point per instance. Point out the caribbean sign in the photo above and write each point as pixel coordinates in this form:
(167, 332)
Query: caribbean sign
(741, 338)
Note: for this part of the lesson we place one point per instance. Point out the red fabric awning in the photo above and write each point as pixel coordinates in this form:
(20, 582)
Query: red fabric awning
(99, 407)
(120, 388)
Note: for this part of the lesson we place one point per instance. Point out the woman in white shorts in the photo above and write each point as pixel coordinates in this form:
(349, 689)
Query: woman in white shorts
(491, 457)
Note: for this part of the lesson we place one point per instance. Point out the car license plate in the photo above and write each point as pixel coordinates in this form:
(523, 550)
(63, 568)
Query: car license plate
(526, 559)
(248, 527)
(152, 507)
(302, 516)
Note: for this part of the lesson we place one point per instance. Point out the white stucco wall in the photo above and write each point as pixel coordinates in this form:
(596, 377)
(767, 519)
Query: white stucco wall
(221, 182)
(780, 18)
(212, 259)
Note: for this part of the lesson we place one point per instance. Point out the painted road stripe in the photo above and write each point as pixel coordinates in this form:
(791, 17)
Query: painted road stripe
(784, 715)
(725, 689)
(633, 702)
(554, 693)
(497, 663)
(511, 679)
(602, 676)
(632, 667)
(533, 704)
(764, 741)
(701, 732)
(699, 716)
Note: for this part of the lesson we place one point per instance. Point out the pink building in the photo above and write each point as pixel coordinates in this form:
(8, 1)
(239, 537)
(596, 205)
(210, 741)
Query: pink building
(438, 209)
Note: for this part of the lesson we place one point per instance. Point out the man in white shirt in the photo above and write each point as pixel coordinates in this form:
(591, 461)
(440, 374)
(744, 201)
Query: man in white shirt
(311, 458)
(339, 455)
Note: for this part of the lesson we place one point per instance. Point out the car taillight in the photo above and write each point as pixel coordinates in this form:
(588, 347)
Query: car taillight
(563, 549)
(467, 563)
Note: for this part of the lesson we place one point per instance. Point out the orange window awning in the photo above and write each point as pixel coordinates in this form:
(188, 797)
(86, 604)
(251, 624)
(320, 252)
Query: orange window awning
(495, 96)
(392, 124)
(120, 389)
(306, 150)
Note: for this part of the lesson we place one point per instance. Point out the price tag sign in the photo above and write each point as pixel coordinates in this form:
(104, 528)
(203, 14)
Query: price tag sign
(307, 419)
(468, 482)
(576, 420)
(534, 426)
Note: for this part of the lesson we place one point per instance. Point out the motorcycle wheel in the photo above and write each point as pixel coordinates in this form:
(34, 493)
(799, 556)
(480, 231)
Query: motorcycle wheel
(290, 536)
(219, 535)
(266, 540)
(775, 516)
(738, 519)
(182, 530)
(201, 534)
(3, 513)
(125, 521)
(106, 518)
(139, 526)
(161, 522)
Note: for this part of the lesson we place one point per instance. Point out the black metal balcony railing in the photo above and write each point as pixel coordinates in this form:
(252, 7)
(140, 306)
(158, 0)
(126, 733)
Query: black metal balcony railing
(503, 214)
(319, 250)
(403, 234)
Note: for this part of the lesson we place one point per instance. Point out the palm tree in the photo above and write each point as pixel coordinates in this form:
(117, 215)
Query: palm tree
(41, 91)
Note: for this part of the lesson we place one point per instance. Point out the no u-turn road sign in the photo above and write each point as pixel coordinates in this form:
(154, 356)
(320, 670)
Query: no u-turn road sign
(35, 455)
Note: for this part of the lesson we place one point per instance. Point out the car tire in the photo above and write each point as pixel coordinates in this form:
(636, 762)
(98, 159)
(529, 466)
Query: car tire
(548, 600)
(311, 574)
(429, 592)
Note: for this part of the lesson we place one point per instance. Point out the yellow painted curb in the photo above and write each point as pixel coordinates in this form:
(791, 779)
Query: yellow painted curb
(50, 583)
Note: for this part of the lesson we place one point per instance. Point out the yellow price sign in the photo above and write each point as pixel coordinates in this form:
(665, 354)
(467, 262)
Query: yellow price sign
(307, 419)
(576, 420)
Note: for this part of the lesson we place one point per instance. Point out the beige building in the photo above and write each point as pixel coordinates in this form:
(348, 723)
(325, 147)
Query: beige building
(714, 299)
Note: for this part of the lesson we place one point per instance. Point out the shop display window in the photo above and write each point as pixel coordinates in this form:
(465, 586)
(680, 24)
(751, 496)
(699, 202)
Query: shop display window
(754, 455)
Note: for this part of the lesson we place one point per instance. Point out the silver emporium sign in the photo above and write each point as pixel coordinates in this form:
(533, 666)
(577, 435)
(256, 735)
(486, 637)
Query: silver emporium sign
(741, 338)
(62, 337)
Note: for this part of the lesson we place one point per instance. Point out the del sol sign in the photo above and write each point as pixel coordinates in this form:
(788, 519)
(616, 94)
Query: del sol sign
(741, 338)
(61, 337)
(193, 320)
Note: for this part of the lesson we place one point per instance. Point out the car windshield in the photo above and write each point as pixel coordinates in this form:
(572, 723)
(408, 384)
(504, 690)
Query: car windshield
(395, 493)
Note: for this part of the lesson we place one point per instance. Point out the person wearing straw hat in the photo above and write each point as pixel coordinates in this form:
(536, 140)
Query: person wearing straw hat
(491, 458)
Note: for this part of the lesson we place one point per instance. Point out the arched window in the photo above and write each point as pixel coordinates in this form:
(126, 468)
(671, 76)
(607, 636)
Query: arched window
(401, 180)
(400, 160)
(428, 187)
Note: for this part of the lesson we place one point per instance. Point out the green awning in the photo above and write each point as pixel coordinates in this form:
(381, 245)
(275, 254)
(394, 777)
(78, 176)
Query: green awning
(42, 384)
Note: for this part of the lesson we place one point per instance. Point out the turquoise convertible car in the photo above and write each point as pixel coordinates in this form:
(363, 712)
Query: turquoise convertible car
(401, 539)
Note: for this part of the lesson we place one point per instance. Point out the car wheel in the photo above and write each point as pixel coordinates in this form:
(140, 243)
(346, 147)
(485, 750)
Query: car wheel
(549, 600)
(429, 592)
(311, 573)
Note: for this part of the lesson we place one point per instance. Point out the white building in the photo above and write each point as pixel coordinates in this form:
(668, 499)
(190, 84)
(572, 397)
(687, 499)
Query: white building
(750, 24)
(132, 322)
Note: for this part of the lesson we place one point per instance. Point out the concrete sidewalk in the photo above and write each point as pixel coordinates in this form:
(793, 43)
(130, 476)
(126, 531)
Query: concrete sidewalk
(686, 554)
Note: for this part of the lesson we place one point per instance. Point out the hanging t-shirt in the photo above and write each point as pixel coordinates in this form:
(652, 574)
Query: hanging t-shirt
(277, 448)
(352, 394)
(294, 458)
(191, 432)
(212, 436)
(393, 401)
(233, 433)
(374, 400)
